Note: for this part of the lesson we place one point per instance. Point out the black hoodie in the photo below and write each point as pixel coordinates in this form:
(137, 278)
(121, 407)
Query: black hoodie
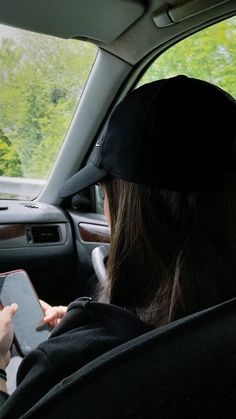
(88, 330)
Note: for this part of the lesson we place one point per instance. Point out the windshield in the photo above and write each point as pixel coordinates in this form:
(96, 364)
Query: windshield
(41, 80)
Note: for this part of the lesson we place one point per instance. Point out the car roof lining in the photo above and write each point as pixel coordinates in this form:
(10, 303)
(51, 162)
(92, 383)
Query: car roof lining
(115, 25)
(98, 20)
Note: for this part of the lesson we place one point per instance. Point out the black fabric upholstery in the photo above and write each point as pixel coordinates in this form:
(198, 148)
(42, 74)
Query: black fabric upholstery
(184, 370)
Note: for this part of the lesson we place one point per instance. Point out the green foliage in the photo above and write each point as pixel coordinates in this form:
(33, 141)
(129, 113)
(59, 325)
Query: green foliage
(41, 81)
(208, 55)
(10, 164)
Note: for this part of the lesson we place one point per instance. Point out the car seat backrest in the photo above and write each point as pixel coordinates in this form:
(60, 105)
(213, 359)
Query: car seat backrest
(184, 370)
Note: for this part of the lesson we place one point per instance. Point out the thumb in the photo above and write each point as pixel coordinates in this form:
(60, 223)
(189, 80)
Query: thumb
(9, 311)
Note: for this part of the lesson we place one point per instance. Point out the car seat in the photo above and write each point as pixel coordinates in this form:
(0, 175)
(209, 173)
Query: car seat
(186, 369)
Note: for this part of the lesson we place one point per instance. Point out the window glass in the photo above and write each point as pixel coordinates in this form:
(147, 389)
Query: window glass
(41, 79)
(209, 55)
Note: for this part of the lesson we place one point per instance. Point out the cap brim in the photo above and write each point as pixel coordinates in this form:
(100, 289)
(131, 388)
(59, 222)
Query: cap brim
(86, 177)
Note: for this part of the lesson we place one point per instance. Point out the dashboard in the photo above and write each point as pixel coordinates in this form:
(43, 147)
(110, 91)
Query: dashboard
(52, 245)
(39, 239)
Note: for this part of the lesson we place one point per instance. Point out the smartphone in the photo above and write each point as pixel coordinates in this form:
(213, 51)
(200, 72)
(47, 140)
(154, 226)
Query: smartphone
(29, 329)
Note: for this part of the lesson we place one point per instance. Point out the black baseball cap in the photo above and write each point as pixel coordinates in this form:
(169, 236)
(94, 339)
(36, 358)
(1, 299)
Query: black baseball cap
(177, 134)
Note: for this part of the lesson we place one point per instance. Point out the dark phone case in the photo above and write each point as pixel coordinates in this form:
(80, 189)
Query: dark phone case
(16, 287)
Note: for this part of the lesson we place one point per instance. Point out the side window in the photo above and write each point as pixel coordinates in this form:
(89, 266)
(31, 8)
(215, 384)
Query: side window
(208, 55)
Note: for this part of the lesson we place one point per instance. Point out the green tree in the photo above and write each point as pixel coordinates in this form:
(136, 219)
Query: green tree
(10, 164)
(42, 79)
(208, 55)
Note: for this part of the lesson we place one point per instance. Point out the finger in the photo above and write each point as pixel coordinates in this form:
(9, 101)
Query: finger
(9, 311)
(45, 306)
(54, 313)
(62, 311)
(51, 314)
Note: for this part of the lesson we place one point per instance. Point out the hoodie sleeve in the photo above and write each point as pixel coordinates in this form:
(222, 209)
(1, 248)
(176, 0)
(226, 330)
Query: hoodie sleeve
(86, 332)
(3, 397)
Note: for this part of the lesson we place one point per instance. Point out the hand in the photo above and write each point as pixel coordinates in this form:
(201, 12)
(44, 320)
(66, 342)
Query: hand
(6, 334)
(53, 314)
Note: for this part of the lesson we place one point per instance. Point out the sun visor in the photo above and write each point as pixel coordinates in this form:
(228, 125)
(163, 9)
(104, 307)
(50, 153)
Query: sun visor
(100, 20)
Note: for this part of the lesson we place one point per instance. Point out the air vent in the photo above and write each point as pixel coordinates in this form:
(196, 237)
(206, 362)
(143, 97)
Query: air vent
(45, 234)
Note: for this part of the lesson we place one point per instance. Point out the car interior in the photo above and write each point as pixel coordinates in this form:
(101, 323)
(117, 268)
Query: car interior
(184, 369)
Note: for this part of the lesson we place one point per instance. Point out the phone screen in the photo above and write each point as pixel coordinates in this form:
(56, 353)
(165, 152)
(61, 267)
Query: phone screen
(16, 287)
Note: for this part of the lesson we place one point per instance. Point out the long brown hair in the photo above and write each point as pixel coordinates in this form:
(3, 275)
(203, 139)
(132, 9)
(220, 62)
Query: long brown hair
(174, 248)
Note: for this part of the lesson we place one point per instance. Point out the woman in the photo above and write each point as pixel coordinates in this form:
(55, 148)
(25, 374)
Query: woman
(167, 168)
